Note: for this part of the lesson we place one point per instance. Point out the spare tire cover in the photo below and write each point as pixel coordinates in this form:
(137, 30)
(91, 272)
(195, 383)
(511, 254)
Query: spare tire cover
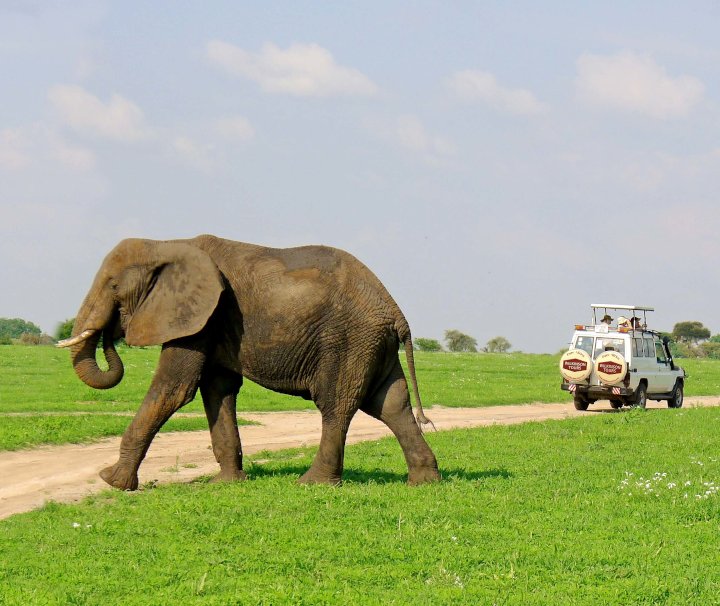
(576, 365)
(610, 367)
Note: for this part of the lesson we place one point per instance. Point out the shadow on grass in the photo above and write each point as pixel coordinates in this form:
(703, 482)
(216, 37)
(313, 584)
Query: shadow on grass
(623, 410)
(376, 476)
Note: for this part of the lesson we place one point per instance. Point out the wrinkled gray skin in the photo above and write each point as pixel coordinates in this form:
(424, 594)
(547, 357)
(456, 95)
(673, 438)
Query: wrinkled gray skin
(310, 321)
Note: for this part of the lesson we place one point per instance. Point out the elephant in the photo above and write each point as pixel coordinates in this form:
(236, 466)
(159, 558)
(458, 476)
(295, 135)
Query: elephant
(309, 321)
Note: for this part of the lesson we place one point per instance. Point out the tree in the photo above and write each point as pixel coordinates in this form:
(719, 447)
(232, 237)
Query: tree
(64, 329)
(428, 344)
(457, 341)
(498, 345)
(13, 328)
(690, 332)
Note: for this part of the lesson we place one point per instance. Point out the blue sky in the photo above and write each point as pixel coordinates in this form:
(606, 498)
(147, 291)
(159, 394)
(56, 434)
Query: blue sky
(500, 166)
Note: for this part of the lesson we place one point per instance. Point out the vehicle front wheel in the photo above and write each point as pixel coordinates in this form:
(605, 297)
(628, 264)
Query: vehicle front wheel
(640, 396)
(677, 396)
(580, 403)
(616, 404)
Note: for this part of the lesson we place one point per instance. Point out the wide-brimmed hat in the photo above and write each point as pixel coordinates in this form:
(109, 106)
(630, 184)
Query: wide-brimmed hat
(607, 318)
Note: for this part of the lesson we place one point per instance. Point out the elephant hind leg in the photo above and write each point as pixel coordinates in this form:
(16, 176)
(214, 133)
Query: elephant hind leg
(391, 405)
(219, 388)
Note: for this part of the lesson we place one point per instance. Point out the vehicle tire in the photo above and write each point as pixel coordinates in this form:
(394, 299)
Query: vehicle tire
(616, 404)
(640, 396)
(678, 396)
(581, 403)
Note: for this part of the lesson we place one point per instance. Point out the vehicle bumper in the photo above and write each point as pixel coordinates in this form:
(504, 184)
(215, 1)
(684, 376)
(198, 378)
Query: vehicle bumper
(599, 392)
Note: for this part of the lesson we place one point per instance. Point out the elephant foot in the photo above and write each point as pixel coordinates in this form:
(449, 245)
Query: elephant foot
(236, 475)
(120, 478)
(313, 477)
(423, 475)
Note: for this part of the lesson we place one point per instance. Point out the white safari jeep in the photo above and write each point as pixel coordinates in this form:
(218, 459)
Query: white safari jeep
(620, 360)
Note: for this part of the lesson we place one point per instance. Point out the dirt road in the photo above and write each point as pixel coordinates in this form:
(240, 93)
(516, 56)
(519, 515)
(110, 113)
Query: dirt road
(29, 478)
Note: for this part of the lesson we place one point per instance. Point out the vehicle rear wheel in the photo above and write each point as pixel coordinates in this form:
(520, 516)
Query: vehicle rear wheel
(580, 403)
(677, 396)
(616, 404)
(640, 396)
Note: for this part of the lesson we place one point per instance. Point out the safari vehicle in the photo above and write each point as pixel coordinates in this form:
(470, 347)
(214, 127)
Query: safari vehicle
(621, 360)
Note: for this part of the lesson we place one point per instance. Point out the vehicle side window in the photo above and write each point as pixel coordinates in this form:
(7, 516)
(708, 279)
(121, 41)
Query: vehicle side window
(650, 348)
(638, 348)
(659, 352)
(585, 343)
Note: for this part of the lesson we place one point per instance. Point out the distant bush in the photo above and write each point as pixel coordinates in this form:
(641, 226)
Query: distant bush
(30, 338)
(13, 328)
(711, 349)
(690, 332)
(457, 341)
(64, 329)
(428, 344)
(498, 345)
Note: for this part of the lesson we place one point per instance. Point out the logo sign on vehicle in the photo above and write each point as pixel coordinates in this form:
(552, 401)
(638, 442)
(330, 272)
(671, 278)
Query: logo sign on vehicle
(575, 365)
(610, 368)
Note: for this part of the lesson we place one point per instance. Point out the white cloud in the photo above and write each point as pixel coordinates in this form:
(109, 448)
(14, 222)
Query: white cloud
(635, 83)
(411, 134)
(23, 147)
(235, 127)
(196, 155)
(474, 85)
(71, 156)
(306, 70)
(13, 150)
(119, 119)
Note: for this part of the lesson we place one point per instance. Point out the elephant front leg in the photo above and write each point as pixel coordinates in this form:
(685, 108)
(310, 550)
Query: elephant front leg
(174, 385)
(219, 389)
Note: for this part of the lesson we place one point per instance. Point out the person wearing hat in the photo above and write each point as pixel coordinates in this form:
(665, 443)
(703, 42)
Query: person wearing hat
(607, 319)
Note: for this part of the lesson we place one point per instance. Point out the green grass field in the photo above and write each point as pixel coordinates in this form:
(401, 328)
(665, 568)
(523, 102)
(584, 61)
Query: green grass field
(41, 380)
(604, 509)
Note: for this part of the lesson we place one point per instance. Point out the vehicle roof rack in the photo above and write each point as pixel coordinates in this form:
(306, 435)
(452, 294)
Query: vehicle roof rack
(625, 307)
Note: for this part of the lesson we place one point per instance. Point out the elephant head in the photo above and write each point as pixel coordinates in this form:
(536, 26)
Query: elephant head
(151, 292)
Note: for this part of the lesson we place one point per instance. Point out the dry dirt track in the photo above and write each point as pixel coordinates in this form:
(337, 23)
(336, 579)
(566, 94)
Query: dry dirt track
(29, 478)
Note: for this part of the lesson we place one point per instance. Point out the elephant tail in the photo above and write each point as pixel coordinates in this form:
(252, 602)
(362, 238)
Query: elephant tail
(403, 331)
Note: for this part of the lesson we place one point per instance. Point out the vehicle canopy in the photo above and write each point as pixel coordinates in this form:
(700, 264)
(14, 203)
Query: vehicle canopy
(632, 317)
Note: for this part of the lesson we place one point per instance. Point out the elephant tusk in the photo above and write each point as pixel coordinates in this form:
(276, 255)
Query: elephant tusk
(84, 335)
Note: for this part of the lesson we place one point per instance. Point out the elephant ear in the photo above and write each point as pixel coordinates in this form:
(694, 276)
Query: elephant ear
(182, 296)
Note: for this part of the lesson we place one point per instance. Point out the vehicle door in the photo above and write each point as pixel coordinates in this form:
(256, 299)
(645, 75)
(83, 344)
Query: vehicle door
(665, 380)
(643, 365)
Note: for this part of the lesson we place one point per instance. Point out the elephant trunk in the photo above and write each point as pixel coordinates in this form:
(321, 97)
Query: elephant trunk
(85, 364)
(97, 316)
